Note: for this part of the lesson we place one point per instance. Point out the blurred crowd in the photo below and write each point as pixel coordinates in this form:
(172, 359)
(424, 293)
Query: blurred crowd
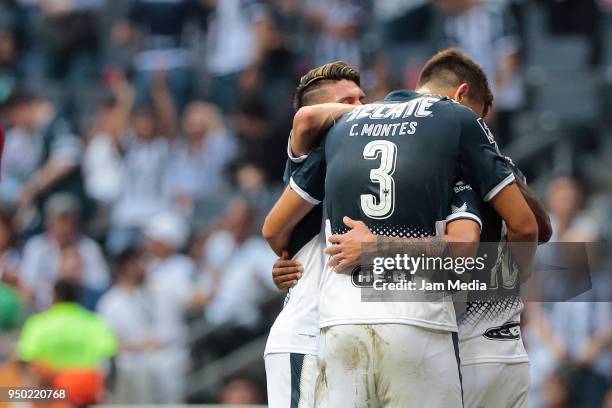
(146, 140)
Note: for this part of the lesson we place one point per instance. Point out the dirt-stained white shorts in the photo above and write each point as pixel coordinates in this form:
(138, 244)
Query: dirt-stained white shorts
(387, 365)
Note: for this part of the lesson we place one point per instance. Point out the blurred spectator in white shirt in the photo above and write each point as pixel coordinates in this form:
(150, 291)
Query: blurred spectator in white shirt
(102, 161)
(337, 27)
(40, 265)
(172, 278)
(570, 222)
(244, 261)
(57, 153)
(143, 191)
(198, 160)
(21, 146)
(128, 309)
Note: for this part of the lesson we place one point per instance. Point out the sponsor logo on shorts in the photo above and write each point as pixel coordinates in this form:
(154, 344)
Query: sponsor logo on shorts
(508, 331)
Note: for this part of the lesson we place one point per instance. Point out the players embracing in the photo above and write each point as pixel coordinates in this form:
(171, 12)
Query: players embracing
(398, 190)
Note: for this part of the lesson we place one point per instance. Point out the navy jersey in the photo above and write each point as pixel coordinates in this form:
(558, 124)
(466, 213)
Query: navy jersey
(310, 225)
(393, 164)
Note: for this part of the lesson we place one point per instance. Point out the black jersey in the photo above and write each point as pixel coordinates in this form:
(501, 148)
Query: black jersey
(309, 226)
(393, 164)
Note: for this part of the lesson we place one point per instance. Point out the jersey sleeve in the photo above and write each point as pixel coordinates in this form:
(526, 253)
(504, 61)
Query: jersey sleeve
(309, 180)
(292, 157)
(482, 166)
(515, 169)
(293, 162)
(465, 204)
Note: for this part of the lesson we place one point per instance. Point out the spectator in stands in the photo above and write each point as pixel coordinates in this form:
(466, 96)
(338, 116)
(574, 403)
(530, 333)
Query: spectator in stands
(69, 36)
(234, 42)
(67, 345)
(173, 281)
(20, 159)
(71, 268)
(143, 191)
(572, 332)
(102, 161)
(128, 308)
(58, 161)
(242, 259)
(490, 37)
(565, 201)
(157, 29)
(252, 184)
(206, 148)
(337, 26)
(240, 390)
(42, 253)
(260, 141)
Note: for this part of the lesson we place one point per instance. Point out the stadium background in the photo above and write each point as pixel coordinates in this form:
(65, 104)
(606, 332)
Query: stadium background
(183, 107)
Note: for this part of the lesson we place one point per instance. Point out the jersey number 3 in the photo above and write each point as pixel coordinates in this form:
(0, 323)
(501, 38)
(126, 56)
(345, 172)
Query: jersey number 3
(380, 207)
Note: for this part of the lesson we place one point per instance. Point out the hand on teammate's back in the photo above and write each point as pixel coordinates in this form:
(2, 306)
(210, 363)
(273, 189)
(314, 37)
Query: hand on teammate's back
(348, 248)
(286, 272)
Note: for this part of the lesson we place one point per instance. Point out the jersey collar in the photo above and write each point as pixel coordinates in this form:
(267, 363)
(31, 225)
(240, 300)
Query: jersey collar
(401, 95)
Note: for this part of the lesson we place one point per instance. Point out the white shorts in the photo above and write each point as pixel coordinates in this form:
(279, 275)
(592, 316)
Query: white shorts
(387, 365)
(496, 385)
(291, 379)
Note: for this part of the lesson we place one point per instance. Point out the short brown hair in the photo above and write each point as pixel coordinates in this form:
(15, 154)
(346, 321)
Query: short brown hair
(315, 78)
(452, 67)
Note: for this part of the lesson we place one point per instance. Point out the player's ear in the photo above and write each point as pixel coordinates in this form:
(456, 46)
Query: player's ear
(461, 93)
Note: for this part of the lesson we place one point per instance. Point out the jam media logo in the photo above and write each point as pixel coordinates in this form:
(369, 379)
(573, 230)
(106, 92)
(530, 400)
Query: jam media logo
(363, 276)
(508, 331)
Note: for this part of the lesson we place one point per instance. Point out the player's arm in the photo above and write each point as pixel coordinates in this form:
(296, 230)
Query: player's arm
(522, 226)
(305, 191)
(282, 219)
(485, 169)
(286, 272)
(311, 122)
(459, 238)
(360, 243)
(534, 203)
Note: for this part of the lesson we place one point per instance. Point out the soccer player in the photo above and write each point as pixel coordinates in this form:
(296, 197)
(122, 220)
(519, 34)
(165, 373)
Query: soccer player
(418, 156)
(291, 349)
(293, 339)
(494, 362)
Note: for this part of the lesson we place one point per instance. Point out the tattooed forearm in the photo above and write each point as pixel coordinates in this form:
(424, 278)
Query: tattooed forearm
(430, 246)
